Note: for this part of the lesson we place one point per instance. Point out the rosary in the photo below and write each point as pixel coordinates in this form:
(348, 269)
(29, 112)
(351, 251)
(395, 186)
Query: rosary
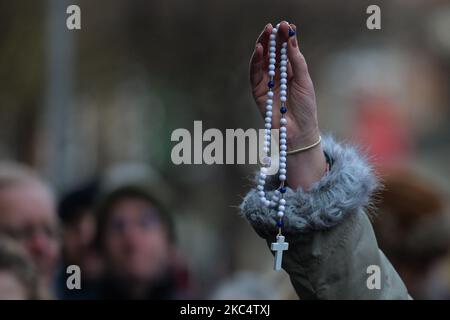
(277, 200)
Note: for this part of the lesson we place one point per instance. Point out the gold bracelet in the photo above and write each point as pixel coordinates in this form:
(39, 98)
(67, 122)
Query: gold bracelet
(304, 148)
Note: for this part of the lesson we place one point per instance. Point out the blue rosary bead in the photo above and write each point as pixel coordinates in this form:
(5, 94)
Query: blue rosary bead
(283, 190)
(283, 110)
(271, 84)
(280, 223)
(291, 32)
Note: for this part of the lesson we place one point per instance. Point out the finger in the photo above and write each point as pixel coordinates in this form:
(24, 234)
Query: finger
(256, 72)
(263, 38)
(296, 58)
(283, 31)
(283, 36)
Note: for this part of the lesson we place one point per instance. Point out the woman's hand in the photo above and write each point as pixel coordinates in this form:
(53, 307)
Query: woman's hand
(307, 167)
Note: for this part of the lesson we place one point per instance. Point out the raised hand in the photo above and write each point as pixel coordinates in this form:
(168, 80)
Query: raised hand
(302, 128)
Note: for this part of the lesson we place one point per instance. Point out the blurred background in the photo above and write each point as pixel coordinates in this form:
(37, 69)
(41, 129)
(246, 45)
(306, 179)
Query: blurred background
(93, 109)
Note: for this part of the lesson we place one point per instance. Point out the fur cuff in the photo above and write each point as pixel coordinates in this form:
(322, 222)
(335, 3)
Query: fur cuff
(346, 188)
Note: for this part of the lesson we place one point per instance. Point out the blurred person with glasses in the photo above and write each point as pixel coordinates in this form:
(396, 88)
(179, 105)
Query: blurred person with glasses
(28, 216)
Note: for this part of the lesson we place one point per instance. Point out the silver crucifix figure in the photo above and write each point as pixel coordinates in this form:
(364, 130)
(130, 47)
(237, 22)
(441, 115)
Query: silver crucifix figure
(279, 247)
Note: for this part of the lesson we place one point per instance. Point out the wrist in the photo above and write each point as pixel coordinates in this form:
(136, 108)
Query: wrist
(303, 139)
(309, 166)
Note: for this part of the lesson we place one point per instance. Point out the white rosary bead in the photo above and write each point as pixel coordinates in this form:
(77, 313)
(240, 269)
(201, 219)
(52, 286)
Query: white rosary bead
(281, 208)
(282, 177)
(272, 55)
(283, 50)
(261, 194)
(272, 67)
(283, 135)
(269, 107)
(260, 188)
(282, 202)
(269, 102)
(283, 121)
(282, 165)
(283, 159)
(283, 129)
(269, 114)
(266, 203)
(273, 204)
(267, 161)
(274, 30)
(280, 214)
(261, 182)
(272, 36)
(268, 125)
(283, 141)
(270, 94)
(283, 81)
(283, 75)
(283, 87)
(283, 153)
(283, 147)
(283, 93)
(273, 43)
(283, 171)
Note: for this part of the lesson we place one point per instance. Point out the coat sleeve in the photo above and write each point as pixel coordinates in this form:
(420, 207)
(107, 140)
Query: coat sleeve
(333, 252)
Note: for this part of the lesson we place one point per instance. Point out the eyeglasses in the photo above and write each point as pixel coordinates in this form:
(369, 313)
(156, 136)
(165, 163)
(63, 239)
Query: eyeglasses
(28, 232)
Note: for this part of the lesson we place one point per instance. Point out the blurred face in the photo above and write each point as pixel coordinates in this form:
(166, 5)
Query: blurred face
(11, 288)
(27, 214)
(135, 240)
(78, 238)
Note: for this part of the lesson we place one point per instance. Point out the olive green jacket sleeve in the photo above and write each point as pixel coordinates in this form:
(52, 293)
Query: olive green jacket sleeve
(333, 252)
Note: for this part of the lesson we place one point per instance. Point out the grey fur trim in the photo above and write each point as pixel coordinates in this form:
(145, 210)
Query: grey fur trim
(346, 188)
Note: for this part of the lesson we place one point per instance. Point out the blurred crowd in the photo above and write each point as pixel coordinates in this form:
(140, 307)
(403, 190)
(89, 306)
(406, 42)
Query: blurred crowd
(123, 241)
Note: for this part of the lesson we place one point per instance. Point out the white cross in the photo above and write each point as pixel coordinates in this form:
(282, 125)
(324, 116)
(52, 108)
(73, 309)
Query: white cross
(279, 247)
